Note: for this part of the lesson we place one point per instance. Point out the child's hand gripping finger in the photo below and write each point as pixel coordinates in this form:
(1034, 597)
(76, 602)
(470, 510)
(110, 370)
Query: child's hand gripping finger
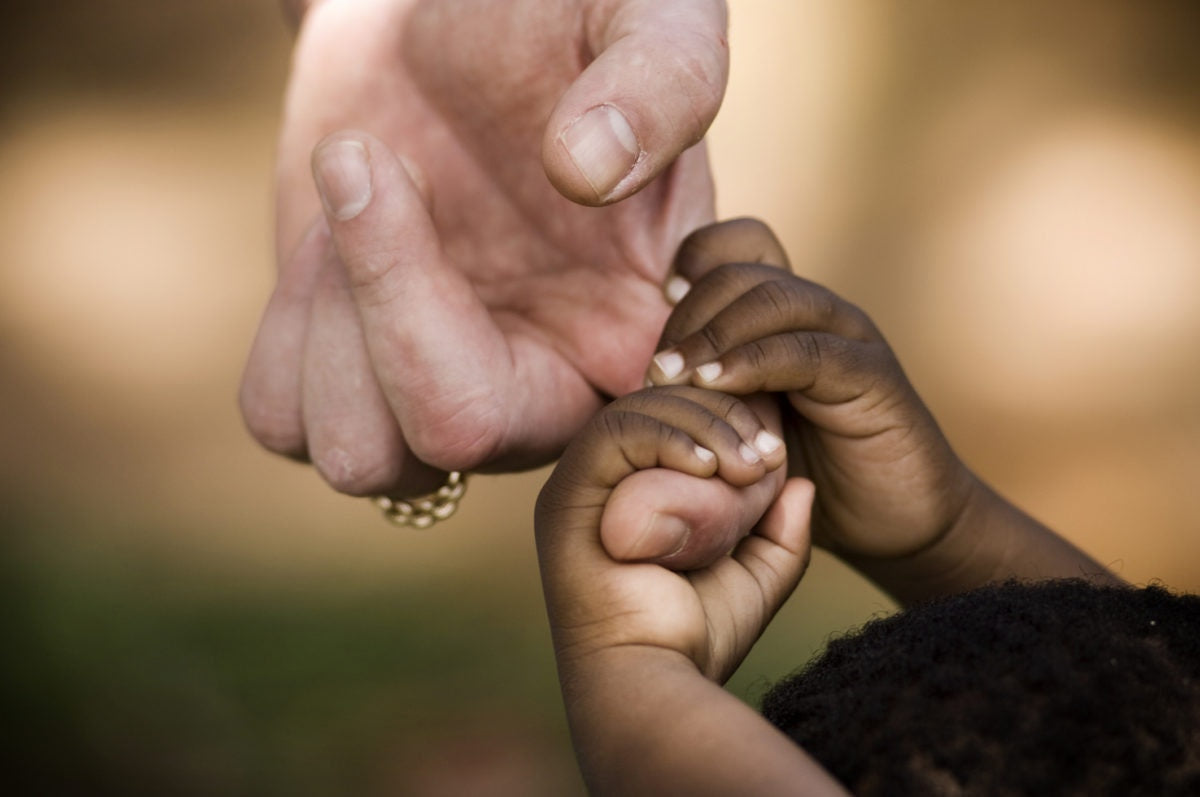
(661, 515)
(710, 616)
(887, 482)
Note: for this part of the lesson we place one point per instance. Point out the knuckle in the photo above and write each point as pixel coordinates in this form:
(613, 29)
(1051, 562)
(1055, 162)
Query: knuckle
(712, 337)
(865, 328)
(756, 356)
(368, 275)
(808, 348)
(774, 299)
(612, 424)
(462, 435)
(628, 433)
(642, 401)
(277, 431)
(699, 74)
(357, 472)
(824, 303)
(727, 407)
(761, 244)
(728, 278)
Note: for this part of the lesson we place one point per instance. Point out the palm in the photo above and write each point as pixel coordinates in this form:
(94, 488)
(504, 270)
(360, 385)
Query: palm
(712, 615)
(552, 273)
(659, 606)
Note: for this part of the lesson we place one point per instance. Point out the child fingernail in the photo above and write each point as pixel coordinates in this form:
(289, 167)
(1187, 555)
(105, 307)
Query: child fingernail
(677, 287)
(749, 454)
(670, 363)
(709, 371)
(767, 443)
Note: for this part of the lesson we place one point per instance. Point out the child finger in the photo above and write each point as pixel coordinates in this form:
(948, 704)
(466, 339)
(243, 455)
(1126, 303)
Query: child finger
(760, 575)
(826, 368)
(621, 441)
(769, 307)
(743, 240)
(776, 555)
(718, 289)
(720, 423)
(749, 417)
(615, 444)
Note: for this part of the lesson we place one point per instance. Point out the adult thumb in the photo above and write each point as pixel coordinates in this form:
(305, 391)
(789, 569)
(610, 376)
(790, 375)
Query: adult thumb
(651, 92)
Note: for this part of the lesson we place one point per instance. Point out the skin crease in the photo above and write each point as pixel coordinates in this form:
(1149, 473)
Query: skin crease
(892, 497)
(888, 484)
(642, 649)
(658, 429)
(718, 514)
(369, 359)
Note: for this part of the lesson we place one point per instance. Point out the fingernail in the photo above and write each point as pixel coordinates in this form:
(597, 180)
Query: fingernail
(603, 147)
(704, 455)
(766, 443)
(663, 535)
(670, 363)
(343, 175)
(677, 287)
(709, 371)
(749, 454)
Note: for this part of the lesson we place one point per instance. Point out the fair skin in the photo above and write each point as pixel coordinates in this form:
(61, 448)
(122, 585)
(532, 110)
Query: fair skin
(642, 649)
(479, 262)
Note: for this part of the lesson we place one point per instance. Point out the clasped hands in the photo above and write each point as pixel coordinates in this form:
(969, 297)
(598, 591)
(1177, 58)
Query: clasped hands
(751, 356)
(442, 304)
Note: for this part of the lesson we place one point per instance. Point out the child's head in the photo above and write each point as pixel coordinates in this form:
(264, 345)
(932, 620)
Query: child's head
(1061, 687)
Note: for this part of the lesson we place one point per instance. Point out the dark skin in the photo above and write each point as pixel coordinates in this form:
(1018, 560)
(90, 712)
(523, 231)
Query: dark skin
(892, 496)
(887, 481)
(642, 648)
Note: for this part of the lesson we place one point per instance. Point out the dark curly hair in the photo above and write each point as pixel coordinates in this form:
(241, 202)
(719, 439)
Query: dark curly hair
(1059, 687)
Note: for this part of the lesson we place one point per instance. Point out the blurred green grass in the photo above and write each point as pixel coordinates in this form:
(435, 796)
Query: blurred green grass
(134, 675)
(131, 674)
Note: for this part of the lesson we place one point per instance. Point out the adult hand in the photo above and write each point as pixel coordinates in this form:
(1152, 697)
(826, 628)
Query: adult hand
(449, 308)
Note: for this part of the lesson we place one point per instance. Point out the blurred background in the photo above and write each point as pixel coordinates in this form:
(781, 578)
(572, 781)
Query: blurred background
(1012, 190)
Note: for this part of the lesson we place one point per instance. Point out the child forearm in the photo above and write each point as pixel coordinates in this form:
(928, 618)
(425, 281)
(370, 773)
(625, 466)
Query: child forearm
(645, 721)
(991, 540)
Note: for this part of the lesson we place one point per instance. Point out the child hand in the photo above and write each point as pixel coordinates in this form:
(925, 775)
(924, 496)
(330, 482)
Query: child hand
(887, 482)
(710, 616)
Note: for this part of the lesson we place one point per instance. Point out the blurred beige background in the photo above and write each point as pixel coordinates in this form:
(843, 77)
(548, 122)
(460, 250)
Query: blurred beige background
(1012, 190)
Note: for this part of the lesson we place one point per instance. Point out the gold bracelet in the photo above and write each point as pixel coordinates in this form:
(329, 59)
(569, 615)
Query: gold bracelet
(423, 511)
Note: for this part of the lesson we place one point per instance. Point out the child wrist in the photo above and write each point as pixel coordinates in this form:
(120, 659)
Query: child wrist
(580, 662)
